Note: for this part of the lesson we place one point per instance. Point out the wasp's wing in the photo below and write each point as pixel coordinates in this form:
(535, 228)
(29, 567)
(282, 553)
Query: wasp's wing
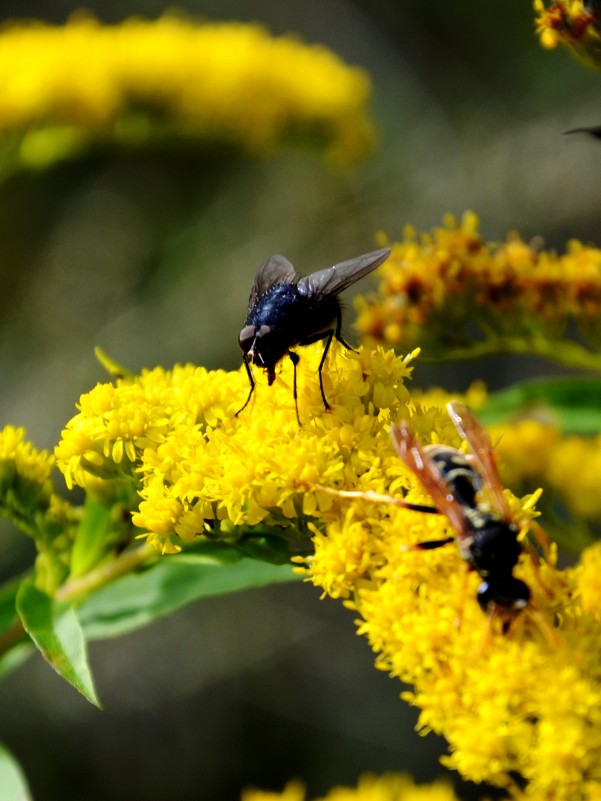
(276, 270)
(430, 477)
(334, 279)
(475, 435)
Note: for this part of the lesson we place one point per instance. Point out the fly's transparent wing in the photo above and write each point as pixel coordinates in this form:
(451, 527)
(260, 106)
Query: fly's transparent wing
(332, 280)
(276, 270)
(473, 432)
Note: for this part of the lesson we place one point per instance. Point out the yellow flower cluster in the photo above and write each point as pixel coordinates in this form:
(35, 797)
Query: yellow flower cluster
(17, 456)
(63, 87)
(574, 23)
(177, 434)
(389, 787)
(486, 691)
(28, 499)
(533, 452)
(202, 470)
(452, 291)
(589, 585)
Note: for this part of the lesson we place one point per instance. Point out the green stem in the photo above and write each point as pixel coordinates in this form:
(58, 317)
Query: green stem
(14, 634)
(563, 352)
(126, 563)
(84, 585)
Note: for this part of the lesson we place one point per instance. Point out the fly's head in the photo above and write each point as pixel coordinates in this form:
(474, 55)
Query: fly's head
(264, 346)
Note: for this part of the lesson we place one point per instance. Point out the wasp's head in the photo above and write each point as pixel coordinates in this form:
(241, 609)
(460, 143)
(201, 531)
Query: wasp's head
(508, 593)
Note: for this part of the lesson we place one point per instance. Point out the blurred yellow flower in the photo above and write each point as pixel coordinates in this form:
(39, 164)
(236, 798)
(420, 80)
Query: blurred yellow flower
(389, 787)
(17, 456)
(294, 791)
(589, 580)
(574, 23)
(454, 294)
(65, 87)
(534, 453)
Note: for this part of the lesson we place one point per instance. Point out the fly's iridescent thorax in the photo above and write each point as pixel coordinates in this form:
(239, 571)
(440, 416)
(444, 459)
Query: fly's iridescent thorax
(266, 337)
(280, 307)
(282, 318)
(463, 481)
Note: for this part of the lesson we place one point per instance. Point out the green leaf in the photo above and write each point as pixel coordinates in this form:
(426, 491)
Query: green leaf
(93, 533)
(57, 633)
(14, 658)
(13, 786)
(171, 583)
(110, 365)
(8, 597)
(14, 643)
(573, 403)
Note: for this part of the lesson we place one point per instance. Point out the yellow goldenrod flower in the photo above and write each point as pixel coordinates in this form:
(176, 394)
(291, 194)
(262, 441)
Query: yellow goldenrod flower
(487, 691)
(28, 499)
(574, 23)
(66, 87)
(487, 694)
(202, 470)
(19, 457)
(457, 295)
(525, 450)
(534, 453)
(589, 580)
(294, 791)
(177, 434)
(579, 487)
(390, 787)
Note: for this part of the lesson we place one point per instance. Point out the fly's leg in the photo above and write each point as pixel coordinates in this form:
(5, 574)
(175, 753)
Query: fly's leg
(295, 358)
(337, 333)
(252, 385)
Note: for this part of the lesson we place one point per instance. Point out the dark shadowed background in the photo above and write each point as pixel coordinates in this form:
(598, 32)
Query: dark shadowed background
(152, 259)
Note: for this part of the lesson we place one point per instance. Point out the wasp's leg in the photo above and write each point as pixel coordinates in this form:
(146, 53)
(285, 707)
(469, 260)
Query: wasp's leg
(372, 497)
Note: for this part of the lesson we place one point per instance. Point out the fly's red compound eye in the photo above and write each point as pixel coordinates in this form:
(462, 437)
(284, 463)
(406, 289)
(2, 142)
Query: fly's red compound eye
(246, 337)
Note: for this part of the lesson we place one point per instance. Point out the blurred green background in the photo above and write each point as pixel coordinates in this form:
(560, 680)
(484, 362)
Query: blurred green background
(151, 257)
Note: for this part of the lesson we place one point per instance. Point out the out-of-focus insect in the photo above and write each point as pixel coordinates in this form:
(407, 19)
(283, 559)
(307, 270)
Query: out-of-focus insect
(487, 536)
(285, 311)
(594, 131)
